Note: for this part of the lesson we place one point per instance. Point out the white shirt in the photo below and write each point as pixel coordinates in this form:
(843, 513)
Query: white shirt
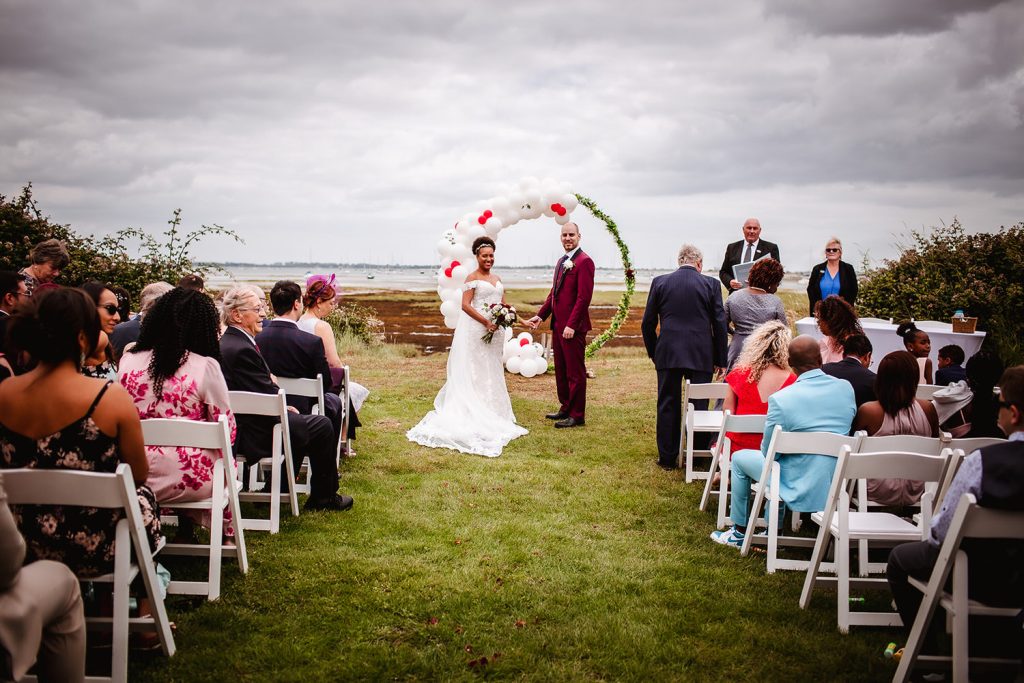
(570, 254)
(753, 251)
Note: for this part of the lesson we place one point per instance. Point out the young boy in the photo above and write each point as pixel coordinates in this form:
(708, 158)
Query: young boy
(951, 369)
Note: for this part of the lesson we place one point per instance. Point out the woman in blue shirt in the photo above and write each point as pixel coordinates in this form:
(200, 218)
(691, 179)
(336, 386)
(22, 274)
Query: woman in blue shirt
(834, 276)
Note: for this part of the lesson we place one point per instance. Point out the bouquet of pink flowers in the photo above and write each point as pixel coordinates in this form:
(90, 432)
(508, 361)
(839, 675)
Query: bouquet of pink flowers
(502, 315)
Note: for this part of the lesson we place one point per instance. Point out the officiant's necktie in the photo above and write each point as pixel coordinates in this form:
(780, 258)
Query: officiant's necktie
(749, 254)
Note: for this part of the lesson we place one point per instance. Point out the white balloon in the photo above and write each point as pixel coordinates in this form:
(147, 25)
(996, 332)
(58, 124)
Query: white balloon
(499, 205)
(539, 347)
(525, 335)
(443, 281)
(449, 309)
(514, 364)
(475, 232)
(452, 295)
(527, 369)
(459, 274)
(533, 197)
(563, 219)
(450, 322)
(528, 182)
(542, 365)
(493, 225)
(570, 202)
(547, 210)
(528, 352)
(516, 201)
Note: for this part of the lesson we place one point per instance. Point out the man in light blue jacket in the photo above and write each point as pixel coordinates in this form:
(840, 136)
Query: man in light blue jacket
(816, 402)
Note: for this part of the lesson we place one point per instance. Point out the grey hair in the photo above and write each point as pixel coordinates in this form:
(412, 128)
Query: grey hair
(150, 294)
(835, 240)
(689, 255)
(237, 297)
(50, 251)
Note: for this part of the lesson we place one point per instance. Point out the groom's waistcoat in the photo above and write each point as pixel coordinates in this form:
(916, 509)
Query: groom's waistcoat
(568, 303)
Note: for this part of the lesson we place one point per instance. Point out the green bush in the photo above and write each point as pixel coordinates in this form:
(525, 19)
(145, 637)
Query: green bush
(945, 270)
(107, 259)
(353, 320)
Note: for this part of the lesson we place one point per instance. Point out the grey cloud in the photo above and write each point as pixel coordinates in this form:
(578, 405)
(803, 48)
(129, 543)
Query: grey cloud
(878, 17)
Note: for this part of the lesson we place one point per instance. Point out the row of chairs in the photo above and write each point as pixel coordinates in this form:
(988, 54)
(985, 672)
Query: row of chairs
(133, 557)
(850, 518)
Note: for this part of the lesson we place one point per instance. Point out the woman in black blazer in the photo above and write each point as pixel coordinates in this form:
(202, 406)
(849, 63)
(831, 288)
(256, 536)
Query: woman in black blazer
(834, 276)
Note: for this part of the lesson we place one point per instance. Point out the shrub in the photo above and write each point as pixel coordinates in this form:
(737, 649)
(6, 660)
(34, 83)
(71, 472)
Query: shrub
(107, 259)
(357, 321)
(946, 269)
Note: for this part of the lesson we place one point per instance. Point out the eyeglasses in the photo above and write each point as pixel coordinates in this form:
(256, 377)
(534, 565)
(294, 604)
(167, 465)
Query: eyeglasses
(111, 309)
(832, 250)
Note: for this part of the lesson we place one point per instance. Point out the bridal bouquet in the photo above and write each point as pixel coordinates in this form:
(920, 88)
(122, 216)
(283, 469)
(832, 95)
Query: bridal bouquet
(502, 315)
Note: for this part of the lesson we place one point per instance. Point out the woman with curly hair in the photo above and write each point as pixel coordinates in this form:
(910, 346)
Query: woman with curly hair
(174, 371)
(837, 320)
(755, 304)
(761, 370)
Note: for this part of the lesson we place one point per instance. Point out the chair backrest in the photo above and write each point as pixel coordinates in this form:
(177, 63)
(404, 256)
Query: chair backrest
(252, 403)
(31, 486)
(712, 390)
(304, 386)
(927, 391)
(818, 443)
(983, 522)
(188, 433)
(907, 443)
(970, 445)
(743, 424)
(894, 465)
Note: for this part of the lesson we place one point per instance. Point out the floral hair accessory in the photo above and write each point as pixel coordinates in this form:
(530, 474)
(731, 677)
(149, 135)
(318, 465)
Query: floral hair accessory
(326, 280)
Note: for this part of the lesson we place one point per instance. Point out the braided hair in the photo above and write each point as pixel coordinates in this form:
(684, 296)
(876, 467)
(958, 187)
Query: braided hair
(182, 321)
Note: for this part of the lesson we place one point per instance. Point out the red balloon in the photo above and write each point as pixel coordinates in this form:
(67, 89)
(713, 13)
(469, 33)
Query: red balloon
(447, 272)
(556, 207)
(488, 213)
(524, 342)
(455, 264)
(481, 220)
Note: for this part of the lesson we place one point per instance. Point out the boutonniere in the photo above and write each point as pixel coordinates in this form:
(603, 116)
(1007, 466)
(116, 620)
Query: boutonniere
(568, 264)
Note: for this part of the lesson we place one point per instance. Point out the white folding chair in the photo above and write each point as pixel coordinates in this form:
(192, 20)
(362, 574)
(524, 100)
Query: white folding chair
(703, 421)
(818, 443)
(927, 391)
(109, 491)
(969, 521)
(844, 525)
(345, 443)
(308, 388)
(271, 405)
(214, 436)
(972, 444)
(958, 450)
(721, 457)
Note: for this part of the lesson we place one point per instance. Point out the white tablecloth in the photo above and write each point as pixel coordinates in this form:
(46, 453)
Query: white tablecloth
(884, 339)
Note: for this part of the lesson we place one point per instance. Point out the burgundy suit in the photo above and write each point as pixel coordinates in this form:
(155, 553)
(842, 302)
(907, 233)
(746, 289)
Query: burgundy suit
(568, 304)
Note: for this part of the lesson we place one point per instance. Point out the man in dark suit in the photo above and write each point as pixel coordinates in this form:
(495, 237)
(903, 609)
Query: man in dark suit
(854, 368)
(13, 291)
(690, 343)
(750, 248)
(291, 352)
(127, 332)
(568, 304)
(245, 370)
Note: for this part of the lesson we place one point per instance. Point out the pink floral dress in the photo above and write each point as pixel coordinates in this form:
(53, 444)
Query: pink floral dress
(197, 391)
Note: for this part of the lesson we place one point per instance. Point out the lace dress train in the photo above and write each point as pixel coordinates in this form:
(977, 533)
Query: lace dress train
(472, 411)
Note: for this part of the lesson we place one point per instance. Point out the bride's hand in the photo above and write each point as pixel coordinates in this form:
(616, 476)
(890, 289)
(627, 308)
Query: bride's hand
(491, 327)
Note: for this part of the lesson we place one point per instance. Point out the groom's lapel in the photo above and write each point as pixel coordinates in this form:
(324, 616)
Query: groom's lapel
(560, 276)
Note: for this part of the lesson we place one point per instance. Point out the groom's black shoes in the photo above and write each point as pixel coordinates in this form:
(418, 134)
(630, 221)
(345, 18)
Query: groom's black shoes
(569, 422)
(557, 416)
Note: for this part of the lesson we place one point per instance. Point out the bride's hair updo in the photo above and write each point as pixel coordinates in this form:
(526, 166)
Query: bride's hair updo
(481, 242)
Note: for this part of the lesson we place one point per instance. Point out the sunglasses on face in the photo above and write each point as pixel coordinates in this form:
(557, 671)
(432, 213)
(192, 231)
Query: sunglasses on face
(832, 250)
(111, 309)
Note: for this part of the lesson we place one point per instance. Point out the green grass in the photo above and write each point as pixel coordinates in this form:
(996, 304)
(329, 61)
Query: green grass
(572, 556)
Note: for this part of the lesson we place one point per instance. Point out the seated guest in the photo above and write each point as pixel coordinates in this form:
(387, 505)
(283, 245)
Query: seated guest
(53, 417)
(47, 258)
(246, 370)
(995, 475)
(100, 363)
(816, 402)
(192, 281)
(41, 616)
(755, 304)
(124, 302)
(174, 371)
(321, 300)
(983, 371)
(897, 412)
(837, 320)
(951, 358)
(128, 331)
(761, 370)
(854, 367)
(919, 344)
(832, 277)
(13, 291)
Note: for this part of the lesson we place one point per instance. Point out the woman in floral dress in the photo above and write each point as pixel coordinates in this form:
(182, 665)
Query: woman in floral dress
(174, 371)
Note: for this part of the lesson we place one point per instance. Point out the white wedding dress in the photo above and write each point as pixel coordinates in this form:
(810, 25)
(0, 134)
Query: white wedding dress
(472, 412)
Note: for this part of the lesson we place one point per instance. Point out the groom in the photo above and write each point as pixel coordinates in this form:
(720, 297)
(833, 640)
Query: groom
(568, 305)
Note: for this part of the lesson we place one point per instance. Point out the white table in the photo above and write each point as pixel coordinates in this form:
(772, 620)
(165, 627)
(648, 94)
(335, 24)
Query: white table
(884, 339)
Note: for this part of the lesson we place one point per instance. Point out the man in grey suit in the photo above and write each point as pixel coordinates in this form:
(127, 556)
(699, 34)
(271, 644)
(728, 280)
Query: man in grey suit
(691, 341)
(750, 248)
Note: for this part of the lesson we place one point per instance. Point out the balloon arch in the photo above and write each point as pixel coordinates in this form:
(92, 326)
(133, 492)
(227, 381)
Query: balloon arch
(529, 200)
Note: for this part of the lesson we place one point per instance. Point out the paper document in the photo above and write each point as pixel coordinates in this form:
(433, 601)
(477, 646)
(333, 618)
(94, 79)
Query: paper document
(742, 270)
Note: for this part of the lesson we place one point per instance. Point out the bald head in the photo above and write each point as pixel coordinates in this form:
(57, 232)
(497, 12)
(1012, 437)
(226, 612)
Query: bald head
(804, 354)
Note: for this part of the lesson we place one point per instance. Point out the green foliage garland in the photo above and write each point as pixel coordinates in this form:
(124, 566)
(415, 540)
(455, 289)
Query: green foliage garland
(630, 278)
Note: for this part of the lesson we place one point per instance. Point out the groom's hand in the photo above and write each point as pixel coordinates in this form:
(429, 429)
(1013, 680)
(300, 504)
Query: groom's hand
(568, 333)
(533, 322)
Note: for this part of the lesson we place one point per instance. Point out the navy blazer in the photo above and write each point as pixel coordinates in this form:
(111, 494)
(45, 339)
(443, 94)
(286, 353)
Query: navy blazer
(688, 307)
(291, 352)
(245, 370)
(733, 254)
(860, 378)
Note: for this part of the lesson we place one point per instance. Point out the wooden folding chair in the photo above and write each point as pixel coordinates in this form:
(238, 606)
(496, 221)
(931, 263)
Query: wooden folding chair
(214, 436)
(271, 405)
(969, 521)
(703, 421)
(721, 458)
(109, 491)
(843, 525)
(826, 444)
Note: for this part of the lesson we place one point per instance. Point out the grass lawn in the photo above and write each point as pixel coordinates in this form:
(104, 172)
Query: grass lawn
(571, 557)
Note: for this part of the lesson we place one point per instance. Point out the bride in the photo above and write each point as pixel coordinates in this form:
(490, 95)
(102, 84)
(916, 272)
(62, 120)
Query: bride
(472, 412)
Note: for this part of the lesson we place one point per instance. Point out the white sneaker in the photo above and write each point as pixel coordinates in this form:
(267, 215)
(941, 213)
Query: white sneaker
(729, 537)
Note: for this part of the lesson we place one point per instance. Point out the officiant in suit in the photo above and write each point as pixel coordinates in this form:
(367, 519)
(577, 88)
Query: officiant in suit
(691, 343)
(568, 304)
(750, 248)
(245, 370)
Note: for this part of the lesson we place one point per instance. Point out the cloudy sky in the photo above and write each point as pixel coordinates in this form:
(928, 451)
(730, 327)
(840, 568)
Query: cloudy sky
(353, 131)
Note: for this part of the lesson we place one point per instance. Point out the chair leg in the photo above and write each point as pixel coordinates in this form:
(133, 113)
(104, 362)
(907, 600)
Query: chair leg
(843, 576)
(961, 655)
(723, 492)
(706, 497)
(119, 636)
(275, 492)
(773, 528)
(217, 531)
(236, 512)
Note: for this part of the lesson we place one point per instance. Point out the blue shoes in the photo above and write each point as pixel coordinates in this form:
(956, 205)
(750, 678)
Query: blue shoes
(729, 537)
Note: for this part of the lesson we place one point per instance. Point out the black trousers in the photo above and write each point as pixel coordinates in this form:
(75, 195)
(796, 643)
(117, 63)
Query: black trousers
(670, 397)
(313, 436)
